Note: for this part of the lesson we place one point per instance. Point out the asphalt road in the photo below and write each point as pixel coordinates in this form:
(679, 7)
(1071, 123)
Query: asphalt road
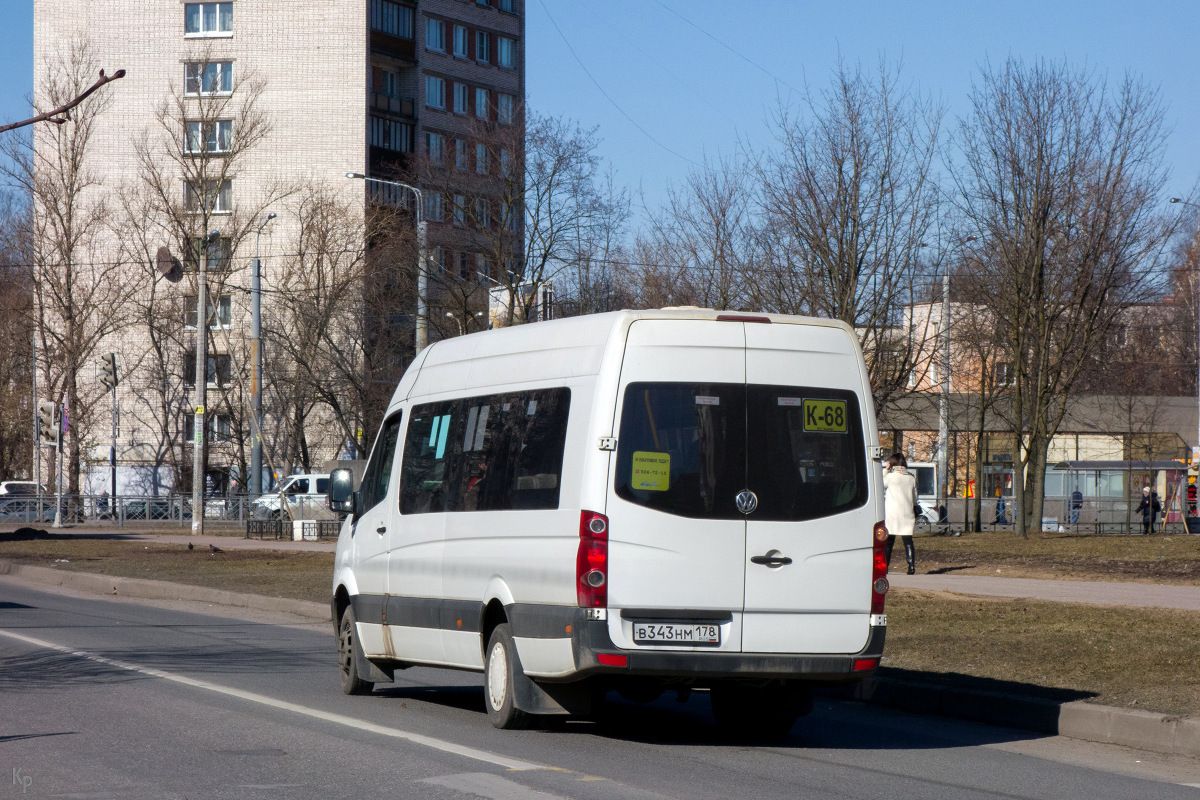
(103, 699)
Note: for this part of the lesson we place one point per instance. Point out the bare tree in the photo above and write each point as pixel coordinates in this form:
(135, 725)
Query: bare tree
(850, 213)
(79, 290)
(1058, 182)
(16, 343)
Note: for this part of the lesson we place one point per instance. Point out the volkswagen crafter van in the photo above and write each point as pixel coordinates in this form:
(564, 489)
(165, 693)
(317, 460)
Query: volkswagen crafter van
(639, 500)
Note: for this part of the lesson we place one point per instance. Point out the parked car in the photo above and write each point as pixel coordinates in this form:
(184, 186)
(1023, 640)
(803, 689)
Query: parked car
(22, 488)
(153, 508)
(25, 509)
(306, 489)
(642, 501)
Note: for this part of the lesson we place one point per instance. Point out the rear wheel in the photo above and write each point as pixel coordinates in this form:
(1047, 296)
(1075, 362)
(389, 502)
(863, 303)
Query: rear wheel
(349, 651)
(758, 712)
(500, 669)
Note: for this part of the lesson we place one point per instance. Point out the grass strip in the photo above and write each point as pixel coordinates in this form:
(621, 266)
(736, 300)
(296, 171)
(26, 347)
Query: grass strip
(1132, 657)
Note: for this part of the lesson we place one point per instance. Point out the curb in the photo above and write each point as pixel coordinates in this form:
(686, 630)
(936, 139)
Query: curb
(164, 590)
(1142, 730)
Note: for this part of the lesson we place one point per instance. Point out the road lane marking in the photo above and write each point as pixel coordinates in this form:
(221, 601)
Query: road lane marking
(253, 697)
(491, 786)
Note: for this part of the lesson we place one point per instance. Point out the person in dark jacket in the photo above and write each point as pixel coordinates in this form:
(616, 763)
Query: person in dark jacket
(1149, 508)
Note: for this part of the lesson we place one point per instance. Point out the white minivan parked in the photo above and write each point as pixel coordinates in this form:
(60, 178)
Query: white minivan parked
(639, 500)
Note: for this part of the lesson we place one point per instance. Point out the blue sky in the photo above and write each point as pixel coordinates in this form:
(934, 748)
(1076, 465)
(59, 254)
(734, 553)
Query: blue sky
(661, 62)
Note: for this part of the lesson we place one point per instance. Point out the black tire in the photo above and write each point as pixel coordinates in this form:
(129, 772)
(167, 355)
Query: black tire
(758, 713)
(500, 665)
(349, 651)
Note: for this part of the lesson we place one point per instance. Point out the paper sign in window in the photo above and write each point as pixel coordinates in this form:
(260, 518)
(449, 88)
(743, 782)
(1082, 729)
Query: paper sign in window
(651, 471)
(825, 416)
(705, 400)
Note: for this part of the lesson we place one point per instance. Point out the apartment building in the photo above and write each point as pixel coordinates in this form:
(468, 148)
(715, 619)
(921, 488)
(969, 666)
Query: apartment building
(369, 87)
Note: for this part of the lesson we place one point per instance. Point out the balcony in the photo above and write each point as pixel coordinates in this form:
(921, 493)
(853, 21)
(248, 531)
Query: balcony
(404, 106)
(393, 46)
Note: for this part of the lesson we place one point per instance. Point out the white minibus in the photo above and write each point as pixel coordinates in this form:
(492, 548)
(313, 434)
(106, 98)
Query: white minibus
(639, 501)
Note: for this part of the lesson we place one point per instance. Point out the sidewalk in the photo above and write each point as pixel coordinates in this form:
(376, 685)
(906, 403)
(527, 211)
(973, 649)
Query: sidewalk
(225, 542)
(1145, 595)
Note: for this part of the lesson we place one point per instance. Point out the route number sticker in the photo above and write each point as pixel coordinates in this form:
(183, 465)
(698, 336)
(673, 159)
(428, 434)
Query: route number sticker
(825, 416)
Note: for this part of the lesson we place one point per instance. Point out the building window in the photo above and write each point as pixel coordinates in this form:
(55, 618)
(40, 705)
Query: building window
(481, 103)
(483, 48)
(461, 37)
(505, 163)
(460, 98)
(464, 266)
(434, 211)
(504, 108)
(391, 135)
(510, 217)
(438, 259)
(392, 18)
(483, 212)
(219, 428)
(216, 198)
(208, 137)
(460, 209)
(481, 159)
(461, 154)
(506, 52)
(435, 35)
(435, 92)
(483, 268)
(208, 19)
(435, 147)
(389, 83)
(1003, 372)
(208, 77)
(484, 3)
(220, 251)
(506, 5)
(220, 315)
(218, 373)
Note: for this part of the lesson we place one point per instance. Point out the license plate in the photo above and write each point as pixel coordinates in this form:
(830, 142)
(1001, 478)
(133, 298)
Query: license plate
(706, 634)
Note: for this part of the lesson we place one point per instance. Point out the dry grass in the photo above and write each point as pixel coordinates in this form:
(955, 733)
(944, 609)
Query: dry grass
(1171, 559)
(277, 573)
(1143, 658)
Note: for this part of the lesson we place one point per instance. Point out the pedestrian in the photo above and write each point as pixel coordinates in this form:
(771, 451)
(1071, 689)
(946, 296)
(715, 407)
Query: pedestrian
(1076, 505)
(1149, 508)
(900, 507)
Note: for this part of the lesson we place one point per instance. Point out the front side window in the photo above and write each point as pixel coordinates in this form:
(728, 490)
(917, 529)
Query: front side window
(435, 35)
(506, 52)
(209, 137)
(379, 468)
(435, 92)
(208, 77)
(481, 103)
(461, 37)
(689, 449)
(208, 19)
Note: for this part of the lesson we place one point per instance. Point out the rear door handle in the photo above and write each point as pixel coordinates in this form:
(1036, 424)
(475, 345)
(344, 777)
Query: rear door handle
(771, 561)
(381, 529)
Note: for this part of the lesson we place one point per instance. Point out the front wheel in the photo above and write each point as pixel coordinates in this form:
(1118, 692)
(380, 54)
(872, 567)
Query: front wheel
(349, 651)
(500, 669)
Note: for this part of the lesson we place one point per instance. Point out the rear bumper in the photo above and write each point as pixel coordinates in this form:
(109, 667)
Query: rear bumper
(590, 640)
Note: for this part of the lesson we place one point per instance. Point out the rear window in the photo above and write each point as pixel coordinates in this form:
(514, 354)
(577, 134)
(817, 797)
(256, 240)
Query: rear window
(689, 448)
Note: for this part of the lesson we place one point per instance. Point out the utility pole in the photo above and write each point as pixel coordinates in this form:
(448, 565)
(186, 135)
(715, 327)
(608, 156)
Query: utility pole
(201, 394)
(943, 462)
(255, 484)
(109, 378)
(58, 493)
(37, 439)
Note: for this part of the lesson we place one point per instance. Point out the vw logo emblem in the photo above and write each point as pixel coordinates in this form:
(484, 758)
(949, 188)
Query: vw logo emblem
(746, 501)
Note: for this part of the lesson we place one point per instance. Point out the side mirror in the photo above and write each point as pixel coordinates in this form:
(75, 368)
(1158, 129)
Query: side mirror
(341, 491)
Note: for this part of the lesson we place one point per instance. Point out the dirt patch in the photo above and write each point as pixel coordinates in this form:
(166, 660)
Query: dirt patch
(275, 573)
(1151, 559)
(1132, 657)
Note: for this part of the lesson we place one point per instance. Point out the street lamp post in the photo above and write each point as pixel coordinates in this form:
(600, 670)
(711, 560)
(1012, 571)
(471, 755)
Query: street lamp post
(421, 335)
(255, 484)
(201, 395)
(1196, 449)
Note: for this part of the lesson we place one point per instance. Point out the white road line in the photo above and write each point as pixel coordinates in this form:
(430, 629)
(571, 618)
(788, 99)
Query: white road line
(491, 786)
(339, 719)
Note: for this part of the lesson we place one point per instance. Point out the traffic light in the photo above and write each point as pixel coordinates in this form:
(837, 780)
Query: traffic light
(108, 371)
(47, 424)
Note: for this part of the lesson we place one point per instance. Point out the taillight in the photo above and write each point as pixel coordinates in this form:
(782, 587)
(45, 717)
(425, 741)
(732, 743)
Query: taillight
(879, 581)
(591, 563)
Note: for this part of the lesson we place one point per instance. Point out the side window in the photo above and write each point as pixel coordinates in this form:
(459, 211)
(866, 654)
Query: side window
(429, 450)
(379, 468)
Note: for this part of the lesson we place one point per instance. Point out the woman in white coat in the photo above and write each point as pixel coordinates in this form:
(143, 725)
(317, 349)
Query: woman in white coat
(899, 499)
